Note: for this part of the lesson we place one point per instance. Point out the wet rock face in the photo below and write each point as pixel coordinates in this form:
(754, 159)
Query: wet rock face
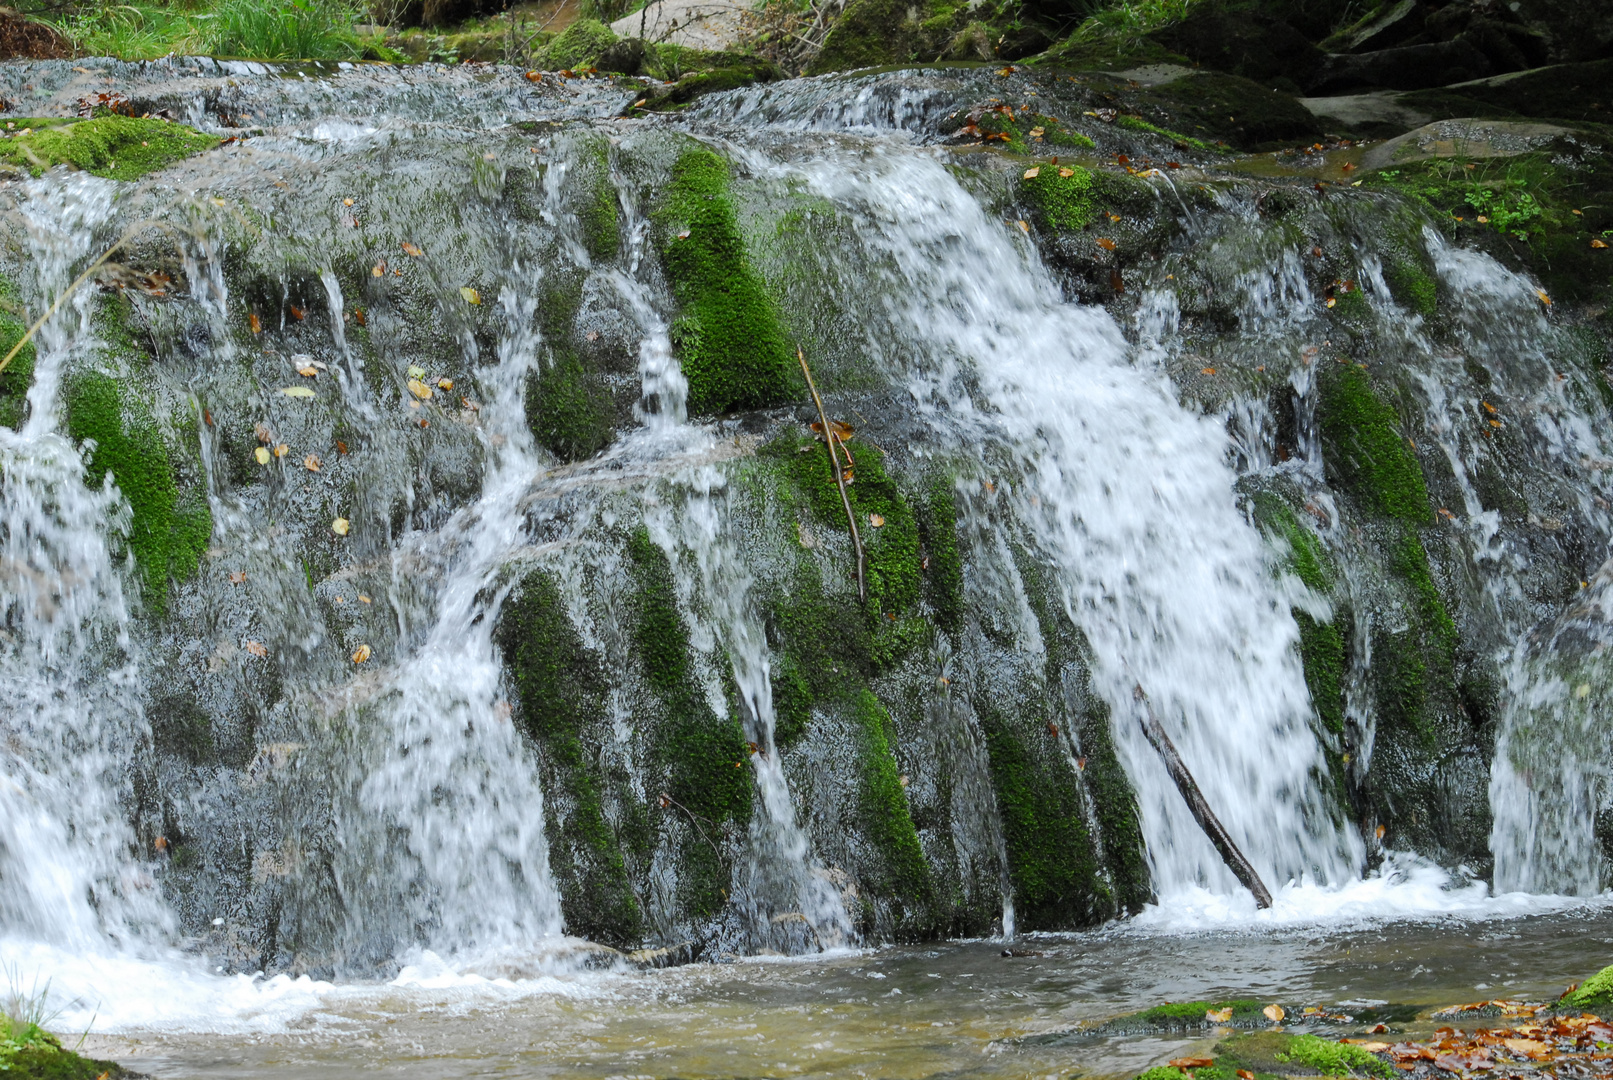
(452, 621)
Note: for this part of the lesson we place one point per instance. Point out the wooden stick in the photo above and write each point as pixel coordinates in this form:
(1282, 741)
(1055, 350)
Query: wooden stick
(831, 438)
(1240, 867)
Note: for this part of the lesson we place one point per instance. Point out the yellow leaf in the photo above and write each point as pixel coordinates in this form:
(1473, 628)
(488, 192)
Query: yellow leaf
(361, 654)
(1207, 371)
(262, 454)
(297, 391)
(1219, 1016)
(1598, 243)
(416, 372)
(876, 520)
(378, 270)
(280, 451)
(1107, 244)
(445, 384)
(1482, 220)
(254, 322)
(1274, 1013)
(1544, 299)
(419, 389)
(1033, 172)
(471, 295)
(1036, 132)
(340, 527)
(307, 372)
(311, 463)
(1066, 173)
(347, 202)
(1331, 301)
(1024, 228)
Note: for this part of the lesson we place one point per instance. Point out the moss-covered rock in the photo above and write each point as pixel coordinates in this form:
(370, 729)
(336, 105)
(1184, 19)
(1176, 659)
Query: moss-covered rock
(721, 71)
(701, 755)
(1060, 196)
(561, 690)
(169, 528)
(116, 147)
(18, 376)
(1595, 993)
(727, 335)
(578, 45)
(29, 1052)
(887, 823)
(1365, 451)
(874, 32)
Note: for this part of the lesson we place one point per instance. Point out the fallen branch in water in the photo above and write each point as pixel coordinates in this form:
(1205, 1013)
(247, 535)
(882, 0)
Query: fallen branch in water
(831, 438)
(1240, 867)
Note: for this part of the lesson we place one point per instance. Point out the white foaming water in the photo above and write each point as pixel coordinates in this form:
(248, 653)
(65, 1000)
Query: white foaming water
(70, 715)
(1130, 493)
(451, 771)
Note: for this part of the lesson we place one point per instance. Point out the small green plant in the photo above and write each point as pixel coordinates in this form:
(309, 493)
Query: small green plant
(1506, 210)
(1334, 1059)
(23, 1016)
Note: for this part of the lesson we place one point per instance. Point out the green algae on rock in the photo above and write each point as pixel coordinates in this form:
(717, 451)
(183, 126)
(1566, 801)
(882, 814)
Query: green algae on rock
(561, 692)
(168, 529)
(1060, 197)
(727, 336)
(116, 147)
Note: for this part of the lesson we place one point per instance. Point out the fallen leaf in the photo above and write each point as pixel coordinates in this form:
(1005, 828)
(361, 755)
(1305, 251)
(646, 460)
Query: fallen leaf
(340, 527)
(412, 250)
(1024, 228)
(471, 295)
(1193, 1062)
(1107, 244)
(1052, 729)
(308, 372)
(311, 463)
(1368, 1046)
(1037, 132)
(347, 202)
(876, 520)
(445, 384)
(361, 654)
(378, 270)
(1081, 764)
(1116, 282)
(256, 649)
(684, 235)
(253, 321)
(1544, 299)
(296, 312)
(1112, 217)
(358, 316)
(363, 599)
(1331, 302)
(1598, 243)
(1274, 1013)
(1245, 1074)
(341, 447)
(262, 454)
(1033, 172)
(1207, 371)
(1220, 1016)
(1525, 1047)
(1066, 173)
(419, 389)
(1482, 220)
(1379, 831)
(238, 578)
(297, 391)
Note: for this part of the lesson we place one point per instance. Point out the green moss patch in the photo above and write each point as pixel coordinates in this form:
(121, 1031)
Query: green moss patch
(568, 408)
(1059, 202)
(1364, 450)
(1186, 1016)
(18, 376)
(578, 45)
(29, 1052)
(727, 336)
(1333, 1058)
(886, 820)
(942, 561)
(703, 756)
(168, 530)
(1321, 645)
(1595, 993)
(116, 147)
(561, 691)
(1187, 142)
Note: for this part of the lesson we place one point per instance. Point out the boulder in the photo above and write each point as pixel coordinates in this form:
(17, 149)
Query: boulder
(1409, 67)
(1467, 139)
(1247, 44)
(624, 57)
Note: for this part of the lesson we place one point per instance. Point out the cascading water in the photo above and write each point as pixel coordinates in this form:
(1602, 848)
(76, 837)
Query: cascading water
(339, 762)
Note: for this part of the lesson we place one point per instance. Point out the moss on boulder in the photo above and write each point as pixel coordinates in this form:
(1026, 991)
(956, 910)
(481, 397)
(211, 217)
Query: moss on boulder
(727, 335)
(169, 529)
(29, 1052)
(1060, 197)
(1365, 452)
(561, 691)
(578, 45)
(116, 147)
(18, 375)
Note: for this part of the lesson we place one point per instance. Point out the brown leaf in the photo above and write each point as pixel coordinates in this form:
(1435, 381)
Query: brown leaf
(253, 321)
(1033, 172)
(1107, 244)
(238, 578)
(1598, 243)
(361, 654)
(296, 312)
(412, 250)
(419, 389)
(311, 463)
(256, 649)
(378, 270)
(1192, 1063)
(308, 372)
(876, 520)
(281, 450)
(358, 316)
(1207, 371)
(1116, 282)
(1274, 1013)
(341, 447)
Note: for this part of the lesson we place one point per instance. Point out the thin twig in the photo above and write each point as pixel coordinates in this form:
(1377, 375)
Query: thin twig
(830, 438)
(695, 819)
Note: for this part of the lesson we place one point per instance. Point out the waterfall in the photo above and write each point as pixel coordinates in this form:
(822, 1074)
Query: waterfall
(1131, 495)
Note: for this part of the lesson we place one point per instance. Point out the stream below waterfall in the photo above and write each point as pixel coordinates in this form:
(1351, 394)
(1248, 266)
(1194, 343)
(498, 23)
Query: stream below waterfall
(434, 643)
